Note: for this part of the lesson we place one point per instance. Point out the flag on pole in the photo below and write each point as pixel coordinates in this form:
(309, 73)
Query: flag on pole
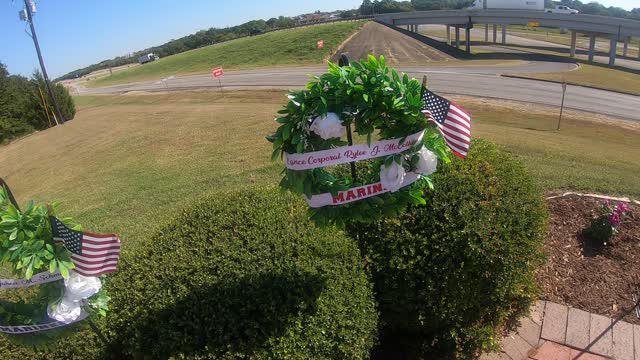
(453, 122)
(92, 254)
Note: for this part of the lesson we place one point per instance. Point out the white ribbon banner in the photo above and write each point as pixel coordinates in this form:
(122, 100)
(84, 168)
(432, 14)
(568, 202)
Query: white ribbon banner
(356, 193)
(23, 329)
(37, 279)
(346, 154)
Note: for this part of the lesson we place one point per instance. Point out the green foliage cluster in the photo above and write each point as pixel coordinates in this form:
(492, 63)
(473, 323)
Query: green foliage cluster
(369, 7)
(243, 275)
(595, 8)
(376, 101)
(21, 108)
(449, 273)
(26, 248)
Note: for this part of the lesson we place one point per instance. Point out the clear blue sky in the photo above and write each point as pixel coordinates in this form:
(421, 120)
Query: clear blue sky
(77, 33)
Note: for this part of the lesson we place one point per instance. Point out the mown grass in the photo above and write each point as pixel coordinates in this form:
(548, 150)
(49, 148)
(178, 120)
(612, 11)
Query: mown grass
(280, 48)
(129, 163)
(597, 76)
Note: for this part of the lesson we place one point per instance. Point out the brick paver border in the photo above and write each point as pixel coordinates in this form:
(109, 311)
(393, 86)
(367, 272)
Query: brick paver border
(569, 334)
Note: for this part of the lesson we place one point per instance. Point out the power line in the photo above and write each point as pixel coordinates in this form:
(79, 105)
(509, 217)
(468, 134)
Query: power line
(29, 7)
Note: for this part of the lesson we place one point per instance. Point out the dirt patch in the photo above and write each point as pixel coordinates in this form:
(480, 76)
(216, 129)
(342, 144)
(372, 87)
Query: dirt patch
(397, 48)
(601, 281)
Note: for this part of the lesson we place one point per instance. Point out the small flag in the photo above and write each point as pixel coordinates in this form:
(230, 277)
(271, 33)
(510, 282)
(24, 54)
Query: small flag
(453, 122)
(92, 254)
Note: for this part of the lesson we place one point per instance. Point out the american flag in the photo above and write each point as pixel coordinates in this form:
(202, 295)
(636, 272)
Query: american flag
(92, 254)
(454, 123)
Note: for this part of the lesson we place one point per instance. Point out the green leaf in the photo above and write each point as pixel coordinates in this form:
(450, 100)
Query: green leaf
(29, 273)
(275, 154)
(64, 270)
(53, 265)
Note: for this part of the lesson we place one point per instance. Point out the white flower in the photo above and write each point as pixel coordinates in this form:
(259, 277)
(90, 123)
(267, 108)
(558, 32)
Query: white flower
(78, 287)
(427, 162)
(392, 176)
(67, 310)
(328, 127)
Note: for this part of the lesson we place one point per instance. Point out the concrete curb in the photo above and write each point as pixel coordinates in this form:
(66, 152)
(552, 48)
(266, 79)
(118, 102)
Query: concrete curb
(569, 83)
(597, 196)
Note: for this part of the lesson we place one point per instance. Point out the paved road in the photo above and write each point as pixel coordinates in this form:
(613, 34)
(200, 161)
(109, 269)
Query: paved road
(482, 81)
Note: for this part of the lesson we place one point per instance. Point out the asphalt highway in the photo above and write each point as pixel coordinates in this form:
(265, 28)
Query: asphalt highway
(480, 81)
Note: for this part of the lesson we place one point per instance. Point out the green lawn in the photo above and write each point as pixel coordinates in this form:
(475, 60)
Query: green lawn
(598, 76)
(295, 47)
(129, 163)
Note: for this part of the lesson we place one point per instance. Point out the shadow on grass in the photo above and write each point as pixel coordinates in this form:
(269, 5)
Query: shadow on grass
(238, 316)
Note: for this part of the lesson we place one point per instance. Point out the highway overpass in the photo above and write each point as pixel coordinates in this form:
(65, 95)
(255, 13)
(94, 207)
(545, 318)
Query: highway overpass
(615, 29)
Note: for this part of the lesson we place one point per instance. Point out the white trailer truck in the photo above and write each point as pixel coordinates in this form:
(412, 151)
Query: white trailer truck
(508, 5)
(148, 58)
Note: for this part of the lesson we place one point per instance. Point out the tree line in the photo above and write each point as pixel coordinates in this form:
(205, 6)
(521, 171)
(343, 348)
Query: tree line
(190, 42)
(369, 7)
(25, 105)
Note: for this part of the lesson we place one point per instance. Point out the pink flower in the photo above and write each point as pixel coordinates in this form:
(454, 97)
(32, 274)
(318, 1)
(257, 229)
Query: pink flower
(621, 208)
(615, 219)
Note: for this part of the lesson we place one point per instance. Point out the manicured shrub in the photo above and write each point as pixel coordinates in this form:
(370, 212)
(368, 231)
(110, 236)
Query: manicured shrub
(243, 275)
(449, 274)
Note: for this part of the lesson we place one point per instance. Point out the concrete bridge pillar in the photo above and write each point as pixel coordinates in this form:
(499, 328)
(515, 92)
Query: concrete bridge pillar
(592, 45)
(495, 33)
(457, 36)
(486, 32)
(467, 38)
(613, 47)
(448, 35)
(408, 27)
(504, 34)
(625, 47)
(572, 51)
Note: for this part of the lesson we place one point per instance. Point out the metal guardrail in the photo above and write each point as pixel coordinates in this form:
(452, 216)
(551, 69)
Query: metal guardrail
(594, 24)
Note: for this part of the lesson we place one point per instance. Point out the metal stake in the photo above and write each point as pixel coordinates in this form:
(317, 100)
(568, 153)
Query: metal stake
(344, 61)
(564, 90)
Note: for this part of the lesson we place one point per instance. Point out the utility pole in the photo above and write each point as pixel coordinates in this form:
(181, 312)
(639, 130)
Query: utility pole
(27, 5)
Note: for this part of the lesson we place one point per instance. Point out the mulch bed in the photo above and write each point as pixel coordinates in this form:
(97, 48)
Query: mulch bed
(598, 280)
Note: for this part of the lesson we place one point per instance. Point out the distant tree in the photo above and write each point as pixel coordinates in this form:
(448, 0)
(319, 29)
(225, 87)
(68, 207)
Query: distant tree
(366, 8)
(22, 109)
(441, 4)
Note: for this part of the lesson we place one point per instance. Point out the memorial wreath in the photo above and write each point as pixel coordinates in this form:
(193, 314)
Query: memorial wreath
(390, 166)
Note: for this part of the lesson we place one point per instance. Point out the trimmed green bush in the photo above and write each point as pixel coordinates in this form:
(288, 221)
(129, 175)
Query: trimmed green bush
(449, 274)
(243, 275)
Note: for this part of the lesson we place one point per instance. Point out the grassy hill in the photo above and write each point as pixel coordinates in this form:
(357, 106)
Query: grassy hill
(294, 47)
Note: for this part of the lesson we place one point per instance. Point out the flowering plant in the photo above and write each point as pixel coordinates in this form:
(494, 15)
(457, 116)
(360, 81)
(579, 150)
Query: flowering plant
(605, 225)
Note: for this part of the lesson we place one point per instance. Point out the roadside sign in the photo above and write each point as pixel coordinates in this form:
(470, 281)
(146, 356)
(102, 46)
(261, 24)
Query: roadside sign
(320, 44)
(533, 23)
(217, 72)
